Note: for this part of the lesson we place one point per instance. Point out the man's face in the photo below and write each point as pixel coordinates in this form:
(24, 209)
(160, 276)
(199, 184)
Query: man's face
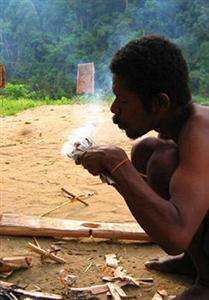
(128, 111)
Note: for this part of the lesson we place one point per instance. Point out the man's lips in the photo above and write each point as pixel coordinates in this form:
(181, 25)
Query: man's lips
(117, 121)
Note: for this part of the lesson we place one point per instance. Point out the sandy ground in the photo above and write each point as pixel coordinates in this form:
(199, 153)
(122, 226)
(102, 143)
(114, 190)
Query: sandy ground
(33, 172)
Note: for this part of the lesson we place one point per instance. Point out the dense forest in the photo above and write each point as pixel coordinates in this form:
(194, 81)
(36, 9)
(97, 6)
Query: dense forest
(42, 41)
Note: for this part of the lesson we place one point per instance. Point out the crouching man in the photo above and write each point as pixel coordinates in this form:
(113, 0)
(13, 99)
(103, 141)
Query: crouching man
(150, 83)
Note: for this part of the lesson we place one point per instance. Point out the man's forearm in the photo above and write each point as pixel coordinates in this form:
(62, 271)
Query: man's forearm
(158, 217)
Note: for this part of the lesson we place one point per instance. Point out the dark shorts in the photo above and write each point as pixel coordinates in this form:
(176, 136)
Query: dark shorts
(206, 235)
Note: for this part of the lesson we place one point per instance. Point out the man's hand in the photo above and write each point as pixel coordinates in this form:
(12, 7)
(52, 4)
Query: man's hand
(97, 159)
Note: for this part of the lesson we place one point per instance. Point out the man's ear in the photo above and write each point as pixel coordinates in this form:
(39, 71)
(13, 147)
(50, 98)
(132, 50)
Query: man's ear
(161, 103)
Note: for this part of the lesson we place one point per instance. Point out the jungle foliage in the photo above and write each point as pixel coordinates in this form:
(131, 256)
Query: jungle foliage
(42, 41)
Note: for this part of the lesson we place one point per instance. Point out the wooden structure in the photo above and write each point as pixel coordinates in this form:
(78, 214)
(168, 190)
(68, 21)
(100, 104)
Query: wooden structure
(2, 76)
(85, 79)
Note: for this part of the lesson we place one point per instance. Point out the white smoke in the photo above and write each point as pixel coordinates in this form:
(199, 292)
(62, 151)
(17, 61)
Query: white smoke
(93, 116)
(77, 136)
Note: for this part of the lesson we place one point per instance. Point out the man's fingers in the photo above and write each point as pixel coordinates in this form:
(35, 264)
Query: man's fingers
(94, 173)
(79, 160)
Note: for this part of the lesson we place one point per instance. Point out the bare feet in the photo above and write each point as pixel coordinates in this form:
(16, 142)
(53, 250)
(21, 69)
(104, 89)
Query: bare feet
(196, 292)
(178, 265)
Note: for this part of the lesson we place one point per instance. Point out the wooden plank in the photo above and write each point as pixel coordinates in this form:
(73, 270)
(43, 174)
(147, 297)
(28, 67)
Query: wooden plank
(20, 225)
(122, 231)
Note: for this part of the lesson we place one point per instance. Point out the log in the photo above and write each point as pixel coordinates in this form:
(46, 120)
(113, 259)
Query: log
(20, 225)
(8, 264)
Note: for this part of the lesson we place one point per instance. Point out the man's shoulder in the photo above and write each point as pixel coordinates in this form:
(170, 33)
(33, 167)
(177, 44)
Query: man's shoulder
(198, 122)
(196, 131)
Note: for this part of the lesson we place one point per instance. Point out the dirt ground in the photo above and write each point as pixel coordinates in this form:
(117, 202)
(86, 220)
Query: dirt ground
(33, 171)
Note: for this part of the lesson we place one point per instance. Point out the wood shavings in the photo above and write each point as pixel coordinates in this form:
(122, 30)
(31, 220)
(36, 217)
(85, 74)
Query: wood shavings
(161, 295)
(116, 291)
(92, 290)
(67, 279)
(107, 271)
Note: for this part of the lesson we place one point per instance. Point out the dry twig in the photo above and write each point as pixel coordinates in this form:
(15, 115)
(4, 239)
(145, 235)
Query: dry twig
(45, 253)
(74, 197)
(69, 195)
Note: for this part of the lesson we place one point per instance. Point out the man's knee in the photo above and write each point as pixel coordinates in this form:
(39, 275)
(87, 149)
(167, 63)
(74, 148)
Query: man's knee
(158, 159)
(161, 167)
(163, 160)
(142, 151)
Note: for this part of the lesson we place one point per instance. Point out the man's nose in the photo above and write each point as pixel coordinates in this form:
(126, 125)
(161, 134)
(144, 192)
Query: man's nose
(114, 107)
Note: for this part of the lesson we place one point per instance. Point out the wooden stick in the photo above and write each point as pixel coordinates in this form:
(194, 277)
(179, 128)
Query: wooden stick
(8, 145)
(55, 208)
(12, 289)
(36, 242)
(15, 298)
(46, 253)
(116, 291)
(96, 289)
(146, 279)
(89, 266)
(74, 197)
(92, 290)
(71, 196)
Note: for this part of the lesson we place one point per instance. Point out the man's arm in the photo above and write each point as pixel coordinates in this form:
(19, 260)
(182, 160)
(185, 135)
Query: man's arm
(172, 224)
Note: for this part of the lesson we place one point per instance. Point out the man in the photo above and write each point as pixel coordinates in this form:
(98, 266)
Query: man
(150, 83)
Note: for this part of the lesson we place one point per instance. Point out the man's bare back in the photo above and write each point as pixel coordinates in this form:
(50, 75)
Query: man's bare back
(195, 261)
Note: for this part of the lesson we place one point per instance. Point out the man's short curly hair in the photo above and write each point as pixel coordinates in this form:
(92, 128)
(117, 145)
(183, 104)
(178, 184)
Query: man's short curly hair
(153, 65)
